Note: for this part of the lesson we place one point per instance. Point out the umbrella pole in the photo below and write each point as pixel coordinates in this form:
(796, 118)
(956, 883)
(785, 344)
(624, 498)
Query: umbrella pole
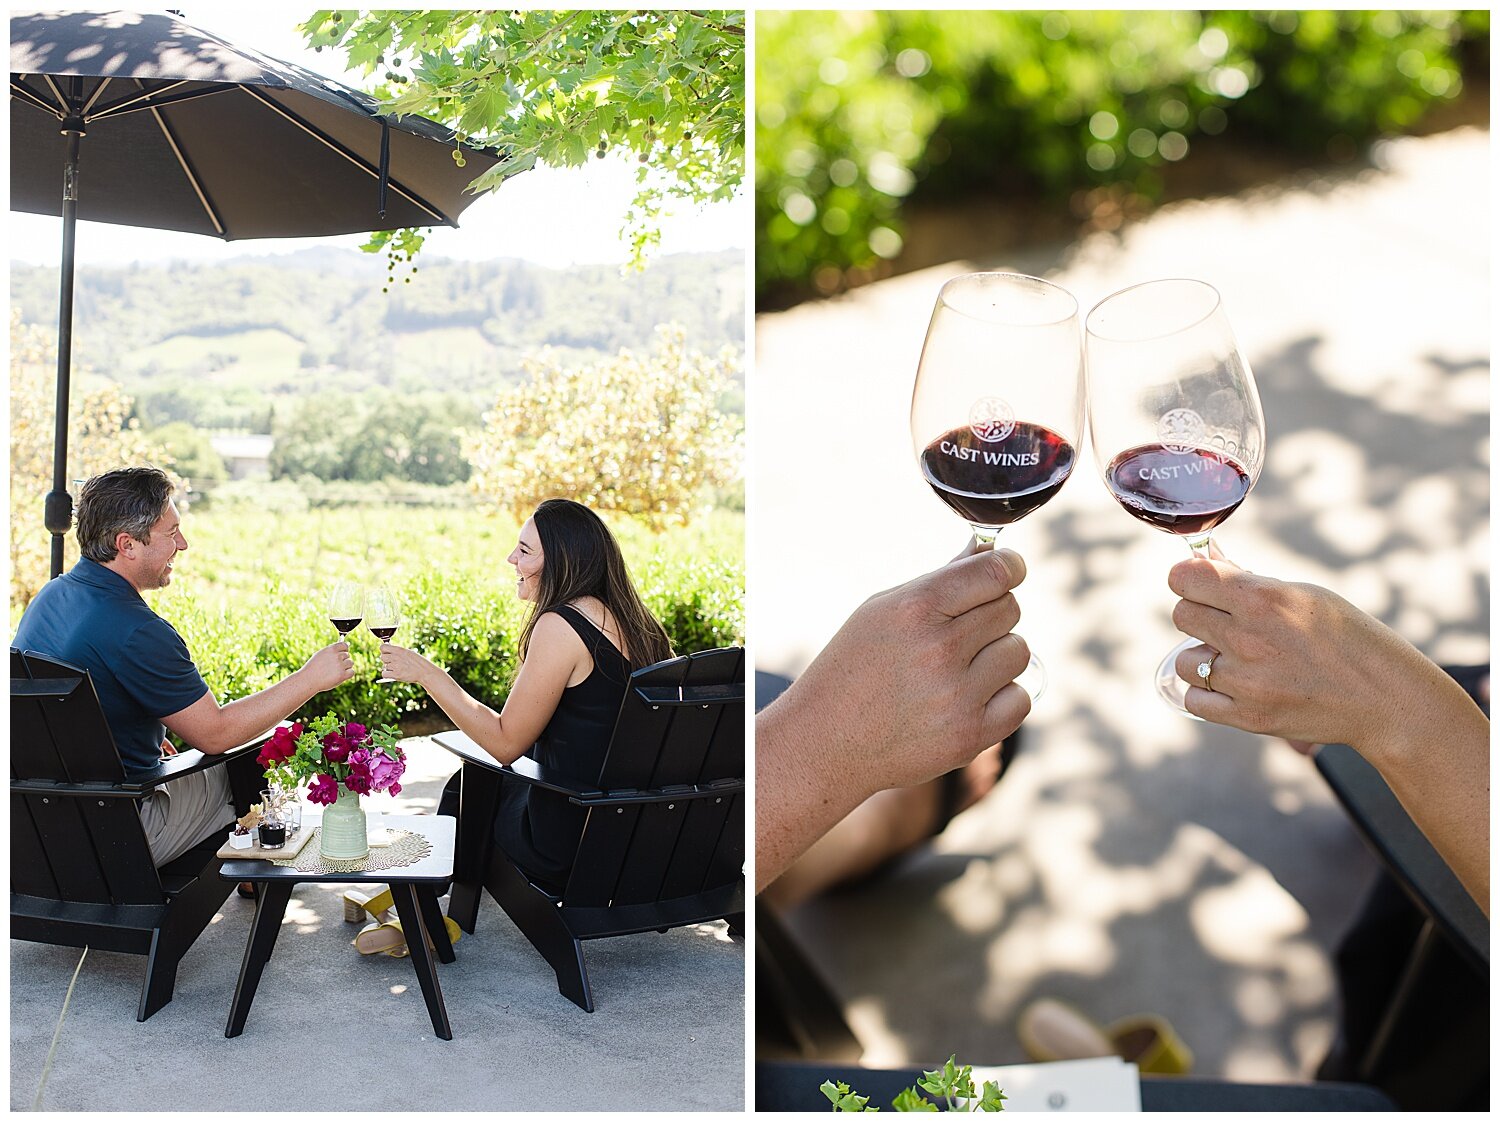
(58, 511)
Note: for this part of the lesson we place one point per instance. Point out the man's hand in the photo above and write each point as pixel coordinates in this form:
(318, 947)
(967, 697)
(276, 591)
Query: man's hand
(330, 667)
(167, 749)
(917, 682)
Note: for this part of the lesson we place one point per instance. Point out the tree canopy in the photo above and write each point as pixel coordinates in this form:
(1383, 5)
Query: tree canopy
(559, 87)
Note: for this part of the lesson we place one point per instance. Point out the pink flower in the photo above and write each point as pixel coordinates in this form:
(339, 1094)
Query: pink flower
(384, 772)
(324, 790)
(355, 732)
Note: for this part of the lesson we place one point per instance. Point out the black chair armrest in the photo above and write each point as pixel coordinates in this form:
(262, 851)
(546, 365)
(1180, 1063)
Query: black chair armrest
(186, 762)
(1405, 851)
(525, 769)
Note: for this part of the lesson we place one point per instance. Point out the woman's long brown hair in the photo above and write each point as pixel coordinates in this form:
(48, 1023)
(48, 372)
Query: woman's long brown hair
(580, 557)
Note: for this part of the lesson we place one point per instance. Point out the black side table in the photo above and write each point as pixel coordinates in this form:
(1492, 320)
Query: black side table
(414, 887)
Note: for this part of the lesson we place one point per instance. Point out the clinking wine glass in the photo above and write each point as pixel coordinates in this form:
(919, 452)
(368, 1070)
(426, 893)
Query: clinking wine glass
(997, 408)
(1174, 416)
(382, 615)
(346, 606)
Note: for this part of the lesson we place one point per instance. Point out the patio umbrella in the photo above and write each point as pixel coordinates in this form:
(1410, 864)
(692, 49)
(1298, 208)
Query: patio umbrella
(144, 120)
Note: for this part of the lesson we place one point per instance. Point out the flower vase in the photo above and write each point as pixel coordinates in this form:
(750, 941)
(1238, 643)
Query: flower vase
(343, 835)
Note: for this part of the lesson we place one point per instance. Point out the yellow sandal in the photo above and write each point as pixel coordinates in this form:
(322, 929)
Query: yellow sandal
(388, 938)
(357, 905)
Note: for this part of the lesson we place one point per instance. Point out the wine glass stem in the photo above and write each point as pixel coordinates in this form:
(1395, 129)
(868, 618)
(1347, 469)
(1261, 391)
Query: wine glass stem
(1200, 543)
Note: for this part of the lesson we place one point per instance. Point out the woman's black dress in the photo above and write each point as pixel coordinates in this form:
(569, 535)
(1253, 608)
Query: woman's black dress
(540, 829)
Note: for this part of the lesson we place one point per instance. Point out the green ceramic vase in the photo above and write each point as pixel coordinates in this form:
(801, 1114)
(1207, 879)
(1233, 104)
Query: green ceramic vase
(343, 836)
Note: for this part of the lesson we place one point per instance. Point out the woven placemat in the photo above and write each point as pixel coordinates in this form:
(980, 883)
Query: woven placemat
(406, 848)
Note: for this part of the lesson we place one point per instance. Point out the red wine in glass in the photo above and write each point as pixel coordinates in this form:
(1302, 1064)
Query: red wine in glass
(997, 483)
(382, 614)
(997, 405)
(1186, 491)
(1175, 418)
(345, 625)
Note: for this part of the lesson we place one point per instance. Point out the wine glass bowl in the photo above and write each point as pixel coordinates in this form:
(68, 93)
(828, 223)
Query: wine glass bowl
(382, 615)
(998, 402)
(1175, 417)
(997, 405)
(346, 606)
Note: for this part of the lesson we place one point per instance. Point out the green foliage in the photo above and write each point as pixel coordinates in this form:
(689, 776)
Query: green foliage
(952, 1084)
(856, 111)
(102, 435)
(640, 434)
(250, 595)
(192, 453)
(189, 341)
(560, 87)
(376, 436)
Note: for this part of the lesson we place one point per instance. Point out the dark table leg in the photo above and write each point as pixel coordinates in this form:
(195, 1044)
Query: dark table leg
(432, 919)
(270, 906)
(410, 914)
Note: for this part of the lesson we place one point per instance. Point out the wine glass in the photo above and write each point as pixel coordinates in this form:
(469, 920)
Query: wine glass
(1174, 416)
(346, 606)
(997, 408)
(382, 615)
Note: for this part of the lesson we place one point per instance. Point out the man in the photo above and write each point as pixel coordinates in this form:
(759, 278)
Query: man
(94, 617)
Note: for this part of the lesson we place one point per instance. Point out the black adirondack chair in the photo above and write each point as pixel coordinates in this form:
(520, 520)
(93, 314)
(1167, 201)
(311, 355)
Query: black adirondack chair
(80, 867)
(664, 840)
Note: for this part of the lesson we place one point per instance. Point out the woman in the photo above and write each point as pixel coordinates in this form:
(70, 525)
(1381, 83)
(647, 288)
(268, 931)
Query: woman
(587, 631)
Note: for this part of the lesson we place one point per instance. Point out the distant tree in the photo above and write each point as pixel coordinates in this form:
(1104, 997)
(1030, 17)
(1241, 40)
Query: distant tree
(636, 433)
(418, 440)
(100, 439)
(192, 453)
(374, 436)
(557, 87)
(313, 437)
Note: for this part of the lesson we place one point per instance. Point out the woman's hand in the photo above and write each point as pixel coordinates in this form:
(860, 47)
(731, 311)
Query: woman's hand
(1297, 661)
(403, 665)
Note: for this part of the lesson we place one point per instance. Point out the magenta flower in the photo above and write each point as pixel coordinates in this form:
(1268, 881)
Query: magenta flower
(355, 732)
(358, 780)
(336, 748)
(324, 790)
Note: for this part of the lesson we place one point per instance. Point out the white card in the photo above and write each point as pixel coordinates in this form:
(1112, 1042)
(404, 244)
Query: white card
(1107, 1083)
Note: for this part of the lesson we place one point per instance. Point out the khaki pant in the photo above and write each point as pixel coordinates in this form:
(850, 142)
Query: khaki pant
(180, 814)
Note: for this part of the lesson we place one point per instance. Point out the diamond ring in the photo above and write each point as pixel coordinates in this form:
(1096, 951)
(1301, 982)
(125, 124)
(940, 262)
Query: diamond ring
(1206, 671)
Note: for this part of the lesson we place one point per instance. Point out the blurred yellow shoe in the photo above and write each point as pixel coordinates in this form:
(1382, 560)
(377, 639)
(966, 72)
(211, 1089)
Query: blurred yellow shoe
(1053, 1030)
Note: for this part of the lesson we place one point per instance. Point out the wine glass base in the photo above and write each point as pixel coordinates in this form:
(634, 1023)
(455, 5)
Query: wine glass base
(1169, 687)
(1033, 679)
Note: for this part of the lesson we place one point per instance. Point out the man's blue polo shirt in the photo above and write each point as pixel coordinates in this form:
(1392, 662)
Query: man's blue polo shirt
(94, 619)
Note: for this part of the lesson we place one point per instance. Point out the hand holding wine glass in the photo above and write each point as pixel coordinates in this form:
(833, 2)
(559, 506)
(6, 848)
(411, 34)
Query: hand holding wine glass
(1175, 419)
(997, 408)
(382, 615)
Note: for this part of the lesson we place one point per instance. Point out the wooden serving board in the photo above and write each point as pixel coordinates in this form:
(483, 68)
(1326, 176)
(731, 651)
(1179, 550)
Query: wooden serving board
(293, 846)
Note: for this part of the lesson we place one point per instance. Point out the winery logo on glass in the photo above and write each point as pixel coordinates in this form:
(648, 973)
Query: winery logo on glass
(1180, 430)
(992, 419)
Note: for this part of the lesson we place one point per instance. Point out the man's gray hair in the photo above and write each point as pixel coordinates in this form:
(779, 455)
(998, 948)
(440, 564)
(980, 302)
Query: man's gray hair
(129, 500)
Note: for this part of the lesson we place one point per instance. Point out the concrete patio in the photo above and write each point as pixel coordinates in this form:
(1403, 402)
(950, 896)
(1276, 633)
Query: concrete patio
(331, 1030)
(1133, 861)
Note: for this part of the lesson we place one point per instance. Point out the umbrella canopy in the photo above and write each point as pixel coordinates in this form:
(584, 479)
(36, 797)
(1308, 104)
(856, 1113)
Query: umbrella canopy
(144, 120)
(182, 131)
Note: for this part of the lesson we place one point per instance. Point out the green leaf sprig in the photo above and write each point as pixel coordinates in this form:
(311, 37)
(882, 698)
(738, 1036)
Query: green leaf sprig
(950, 1083)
